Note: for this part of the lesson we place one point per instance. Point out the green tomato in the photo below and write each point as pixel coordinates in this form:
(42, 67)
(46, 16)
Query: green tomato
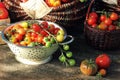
(62, 58)
(66, 47)
(45, 39)
(52, 40)
(24, 24)
(48, 44)
(69, 54)
(71, 62)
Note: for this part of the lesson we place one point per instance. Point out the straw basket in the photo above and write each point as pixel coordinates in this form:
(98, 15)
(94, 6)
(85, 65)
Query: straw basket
(100, 39)
(68, 14)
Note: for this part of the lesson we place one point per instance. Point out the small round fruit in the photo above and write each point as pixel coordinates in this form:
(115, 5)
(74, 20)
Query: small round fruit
(24, 24)
(88, 67)
(71, 62)
(48, 44)
(59, 38)
(61, 32)
(69, 54)
(62, 58)
(102, 72)
(66, 47)
(3, 13)
(114, 16)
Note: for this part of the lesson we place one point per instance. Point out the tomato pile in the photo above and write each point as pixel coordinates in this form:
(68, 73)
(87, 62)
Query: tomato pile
(27, 33)
(104, 20)
(34, 33)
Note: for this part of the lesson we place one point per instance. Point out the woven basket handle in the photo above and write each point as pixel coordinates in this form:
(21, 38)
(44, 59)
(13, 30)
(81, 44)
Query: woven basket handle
(89, 7)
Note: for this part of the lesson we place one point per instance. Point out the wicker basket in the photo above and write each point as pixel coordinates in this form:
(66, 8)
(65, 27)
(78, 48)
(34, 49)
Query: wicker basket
(68, 14)
(99, 39)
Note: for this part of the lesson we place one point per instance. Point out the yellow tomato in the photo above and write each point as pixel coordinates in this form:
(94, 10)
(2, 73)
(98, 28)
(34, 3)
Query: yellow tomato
(60, 38)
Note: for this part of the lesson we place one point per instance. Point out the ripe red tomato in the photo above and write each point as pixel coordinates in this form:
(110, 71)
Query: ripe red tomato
(91, 21)
(2, 5)
(102, 26)
(3, 13)
(103, 17)
(114, 16)
(40, 39)
(44, 33)
(103, 61)
(93, 15)
(108, 21)
(36, 27)
(51, 28)
(44, 24)
(19, 37)
(56, 30)
(111, 27)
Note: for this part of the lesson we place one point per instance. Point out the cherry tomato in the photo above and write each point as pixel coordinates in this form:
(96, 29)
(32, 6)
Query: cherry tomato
(91, 21)
(103, 18)
(108, 21)
(102, 26)
(66, 47)
(93, 15)
(111, 27)
(34, 34)
(59, 38)
(44, 24)
(40, 39)
(21, 31)
(3, 13)
(103, 61)
(19, 37)
(69, 54)
(71, 62)
(114, 16)
(44, 33)
(36, 27)
(28, 40)
(94, 26)
(56, 30)
(51, 28)
(62, 58)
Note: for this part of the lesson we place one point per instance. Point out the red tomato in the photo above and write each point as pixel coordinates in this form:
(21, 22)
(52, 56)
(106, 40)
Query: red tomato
(34, 34)
(91, 21)
(3, 13)
(108, 21)
(44, 24)
(2, 5)
(114, 16)
(19, 37)
(103, 17)
(93, 15)
(103, 61)
(56, 30)
(111, 27)
(36, 27)
(51, 28)
(94, 26)
(44, 33)
(102, 26)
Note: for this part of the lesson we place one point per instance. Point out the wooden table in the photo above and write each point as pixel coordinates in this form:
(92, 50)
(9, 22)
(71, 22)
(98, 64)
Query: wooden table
(10, 69)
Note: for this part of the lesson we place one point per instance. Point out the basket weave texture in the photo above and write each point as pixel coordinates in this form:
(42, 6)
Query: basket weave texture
(68, 14)
(100, 39)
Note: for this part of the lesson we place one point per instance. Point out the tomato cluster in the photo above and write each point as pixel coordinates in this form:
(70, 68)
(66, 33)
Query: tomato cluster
(104, 21)
(29, 33)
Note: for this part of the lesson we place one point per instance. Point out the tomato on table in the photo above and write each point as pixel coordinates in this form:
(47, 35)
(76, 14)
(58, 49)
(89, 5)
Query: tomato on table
(103, 61)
